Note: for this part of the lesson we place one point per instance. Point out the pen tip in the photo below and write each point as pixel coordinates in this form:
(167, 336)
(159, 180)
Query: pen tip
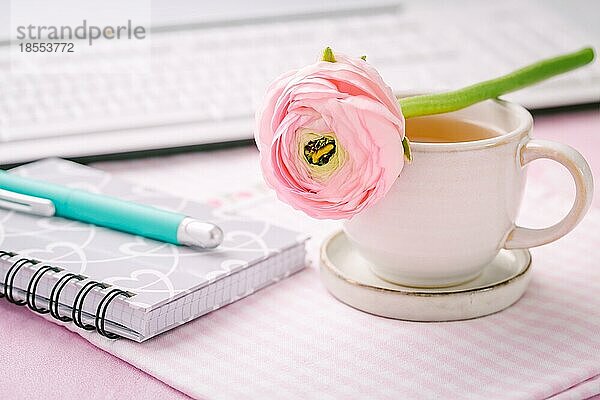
(199, 234)
(215, 236)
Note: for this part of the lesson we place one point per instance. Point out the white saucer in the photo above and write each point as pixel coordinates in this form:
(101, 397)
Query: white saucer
(349, 278)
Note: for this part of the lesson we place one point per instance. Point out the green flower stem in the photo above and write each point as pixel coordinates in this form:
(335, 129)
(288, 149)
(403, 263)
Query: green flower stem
(455, 100)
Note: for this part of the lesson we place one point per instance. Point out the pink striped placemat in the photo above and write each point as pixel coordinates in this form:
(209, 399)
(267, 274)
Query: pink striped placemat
(295, 341)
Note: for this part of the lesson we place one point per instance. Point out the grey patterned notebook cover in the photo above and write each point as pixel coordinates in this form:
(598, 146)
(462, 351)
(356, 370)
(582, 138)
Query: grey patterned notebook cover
(168, 284)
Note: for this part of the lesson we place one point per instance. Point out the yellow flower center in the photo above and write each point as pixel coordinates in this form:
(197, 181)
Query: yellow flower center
(319, 151)
(321, 154)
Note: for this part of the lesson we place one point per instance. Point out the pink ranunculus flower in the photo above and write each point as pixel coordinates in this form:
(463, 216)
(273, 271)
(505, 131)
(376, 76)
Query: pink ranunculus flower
(330, 138)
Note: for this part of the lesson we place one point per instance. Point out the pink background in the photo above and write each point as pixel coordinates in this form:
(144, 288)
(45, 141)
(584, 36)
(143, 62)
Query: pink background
(39, 357)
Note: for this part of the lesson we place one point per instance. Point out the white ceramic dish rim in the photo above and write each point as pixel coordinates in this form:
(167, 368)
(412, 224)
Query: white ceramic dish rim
(525, 125)
(327, 263)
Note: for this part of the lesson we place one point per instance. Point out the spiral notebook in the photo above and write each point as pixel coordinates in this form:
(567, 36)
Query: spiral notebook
(128, 286)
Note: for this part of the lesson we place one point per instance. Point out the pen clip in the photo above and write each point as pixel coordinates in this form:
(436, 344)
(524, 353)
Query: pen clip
(26, 204)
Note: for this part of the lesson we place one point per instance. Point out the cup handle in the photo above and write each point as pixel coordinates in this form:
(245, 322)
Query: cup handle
(519, 237)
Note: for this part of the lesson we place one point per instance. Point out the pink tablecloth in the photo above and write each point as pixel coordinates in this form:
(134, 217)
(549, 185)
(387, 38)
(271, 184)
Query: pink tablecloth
(43, 359)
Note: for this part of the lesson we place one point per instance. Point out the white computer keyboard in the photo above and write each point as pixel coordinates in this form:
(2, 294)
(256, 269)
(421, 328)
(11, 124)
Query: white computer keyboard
(206, 83)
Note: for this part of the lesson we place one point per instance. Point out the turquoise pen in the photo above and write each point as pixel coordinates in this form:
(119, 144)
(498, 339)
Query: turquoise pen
(47, 199)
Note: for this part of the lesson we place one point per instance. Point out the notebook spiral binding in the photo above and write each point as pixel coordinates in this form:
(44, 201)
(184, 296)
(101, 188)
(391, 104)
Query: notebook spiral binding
(53, 301)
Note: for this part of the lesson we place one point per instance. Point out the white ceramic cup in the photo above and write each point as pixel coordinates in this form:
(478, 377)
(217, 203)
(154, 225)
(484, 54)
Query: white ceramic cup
(454, 207)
